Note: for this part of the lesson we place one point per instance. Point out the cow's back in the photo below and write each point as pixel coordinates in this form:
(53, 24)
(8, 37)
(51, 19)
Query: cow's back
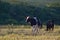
(33, 22)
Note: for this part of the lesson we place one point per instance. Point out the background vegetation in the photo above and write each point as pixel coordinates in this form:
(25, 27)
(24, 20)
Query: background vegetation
(15, 12)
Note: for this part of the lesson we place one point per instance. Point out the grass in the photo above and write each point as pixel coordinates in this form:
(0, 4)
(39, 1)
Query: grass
(23, 33)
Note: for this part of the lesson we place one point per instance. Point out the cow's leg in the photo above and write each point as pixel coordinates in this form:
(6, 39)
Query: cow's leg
(47, 28)
(37, 29)
(41, 26)
(33, 30)
(52, 28)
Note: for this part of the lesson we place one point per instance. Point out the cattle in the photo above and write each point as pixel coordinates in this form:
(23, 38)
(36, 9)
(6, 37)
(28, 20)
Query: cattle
(30, 20)
(38, 21)
(34, 23)
(50, 25)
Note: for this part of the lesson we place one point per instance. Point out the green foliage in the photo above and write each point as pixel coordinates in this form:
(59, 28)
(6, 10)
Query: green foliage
(16, 14)
(56, 4)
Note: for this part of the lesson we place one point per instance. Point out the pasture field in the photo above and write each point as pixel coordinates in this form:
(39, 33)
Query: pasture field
(22, 32)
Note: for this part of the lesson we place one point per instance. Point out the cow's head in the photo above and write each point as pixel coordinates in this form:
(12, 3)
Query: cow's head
(27, 18)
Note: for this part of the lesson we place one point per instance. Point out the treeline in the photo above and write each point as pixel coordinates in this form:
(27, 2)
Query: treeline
(16, 14)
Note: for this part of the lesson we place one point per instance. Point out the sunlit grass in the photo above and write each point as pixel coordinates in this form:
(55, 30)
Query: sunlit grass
(23, 33)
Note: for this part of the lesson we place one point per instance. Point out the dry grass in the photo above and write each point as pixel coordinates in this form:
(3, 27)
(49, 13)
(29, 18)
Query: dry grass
(26, 34)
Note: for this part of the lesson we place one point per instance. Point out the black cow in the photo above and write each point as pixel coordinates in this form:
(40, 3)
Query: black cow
(50, 25)
(33, 23)
(38, 22)
(30, 20)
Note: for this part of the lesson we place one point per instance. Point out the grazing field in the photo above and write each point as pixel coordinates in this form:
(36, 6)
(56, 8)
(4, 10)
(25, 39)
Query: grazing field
(25, 33)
